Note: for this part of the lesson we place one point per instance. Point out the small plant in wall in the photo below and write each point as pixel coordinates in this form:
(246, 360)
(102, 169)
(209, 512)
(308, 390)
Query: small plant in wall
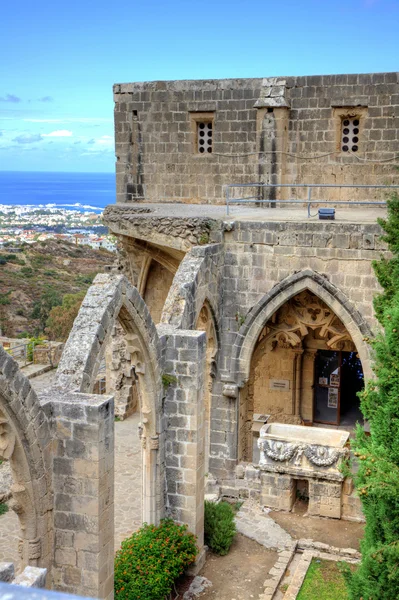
(240, 319)
(150, 561)
(168, 380)
(204, 239)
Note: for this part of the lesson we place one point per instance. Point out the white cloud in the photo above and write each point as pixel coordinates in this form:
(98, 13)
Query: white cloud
(70, 120)
(58, 133)
(105, 140)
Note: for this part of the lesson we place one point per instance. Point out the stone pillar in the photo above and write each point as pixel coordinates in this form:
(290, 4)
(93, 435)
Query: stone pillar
(83, 482)
(325, 498)
(184, 408)
(307, 390)
(298, 380)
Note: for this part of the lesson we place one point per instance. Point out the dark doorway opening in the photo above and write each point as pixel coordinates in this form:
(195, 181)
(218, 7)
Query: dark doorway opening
(338, 379)
(301, 497)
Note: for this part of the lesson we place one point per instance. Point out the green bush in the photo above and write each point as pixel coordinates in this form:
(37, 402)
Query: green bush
(219, 526)
(35, 341)
(377, 478)
(150, 561)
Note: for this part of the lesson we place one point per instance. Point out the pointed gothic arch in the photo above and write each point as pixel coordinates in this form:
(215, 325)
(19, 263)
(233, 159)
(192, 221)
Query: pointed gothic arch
(109, 300)
(289, 287)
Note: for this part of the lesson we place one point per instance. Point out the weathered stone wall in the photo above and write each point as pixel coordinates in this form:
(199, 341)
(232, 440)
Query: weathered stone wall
(271, 130)
(265, 265)
(60, 448)
(157, 287)
(48, 354)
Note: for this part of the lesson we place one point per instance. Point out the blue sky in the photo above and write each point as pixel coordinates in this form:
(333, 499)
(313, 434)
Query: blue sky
(60, 59)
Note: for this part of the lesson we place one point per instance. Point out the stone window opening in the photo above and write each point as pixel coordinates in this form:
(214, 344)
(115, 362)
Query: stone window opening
(204, 136)
(203, 129)
(350, 130)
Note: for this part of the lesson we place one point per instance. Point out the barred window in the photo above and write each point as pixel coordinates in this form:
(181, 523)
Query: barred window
(204, 136)
(350, 134)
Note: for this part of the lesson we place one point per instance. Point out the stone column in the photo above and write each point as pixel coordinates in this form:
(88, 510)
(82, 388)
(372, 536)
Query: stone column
(298, 380)
(83, 482)
(307, 400)
(184, 409)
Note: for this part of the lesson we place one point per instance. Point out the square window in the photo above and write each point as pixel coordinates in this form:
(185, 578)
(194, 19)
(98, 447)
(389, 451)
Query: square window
(350, 129)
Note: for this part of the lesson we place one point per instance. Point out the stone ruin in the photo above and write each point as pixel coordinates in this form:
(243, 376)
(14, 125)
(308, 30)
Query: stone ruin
(220, 331)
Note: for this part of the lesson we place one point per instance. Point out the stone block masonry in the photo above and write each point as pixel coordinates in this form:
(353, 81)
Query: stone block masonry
(271, 130)
(184, 412)
(83, 484)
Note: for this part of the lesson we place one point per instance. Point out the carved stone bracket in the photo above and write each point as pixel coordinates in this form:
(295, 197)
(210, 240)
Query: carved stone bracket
(35, 549)
(154, 442)
(230, 391)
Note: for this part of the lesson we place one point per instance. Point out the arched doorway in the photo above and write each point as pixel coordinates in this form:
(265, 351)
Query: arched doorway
(304, 369)
(205, 322)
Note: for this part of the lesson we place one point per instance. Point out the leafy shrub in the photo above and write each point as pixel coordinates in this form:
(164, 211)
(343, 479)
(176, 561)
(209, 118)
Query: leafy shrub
(219, 527)
(35, 341)
(150, 561)
(3, 508)
(377, 479)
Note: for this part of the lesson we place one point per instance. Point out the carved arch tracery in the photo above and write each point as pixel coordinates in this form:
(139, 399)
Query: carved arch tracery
(303, 313)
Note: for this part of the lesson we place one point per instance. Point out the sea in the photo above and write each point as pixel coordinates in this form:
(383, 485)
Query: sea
(75, 191)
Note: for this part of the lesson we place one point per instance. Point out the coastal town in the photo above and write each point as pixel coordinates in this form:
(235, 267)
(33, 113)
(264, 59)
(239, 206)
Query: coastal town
(29, 224)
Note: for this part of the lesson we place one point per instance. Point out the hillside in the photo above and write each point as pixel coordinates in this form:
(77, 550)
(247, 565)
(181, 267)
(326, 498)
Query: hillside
(40, 275)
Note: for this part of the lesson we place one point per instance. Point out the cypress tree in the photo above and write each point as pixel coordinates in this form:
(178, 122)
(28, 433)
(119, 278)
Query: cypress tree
(377, 480)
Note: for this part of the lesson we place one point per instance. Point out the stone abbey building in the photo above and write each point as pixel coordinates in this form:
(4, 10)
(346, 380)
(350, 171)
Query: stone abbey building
(240, 338)
(285, 300)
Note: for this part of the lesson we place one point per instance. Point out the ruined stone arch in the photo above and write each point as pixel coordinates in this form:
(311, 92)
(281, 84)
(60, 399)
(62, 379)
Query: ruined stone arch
(278, 295)
(110, 300)
(25, 440)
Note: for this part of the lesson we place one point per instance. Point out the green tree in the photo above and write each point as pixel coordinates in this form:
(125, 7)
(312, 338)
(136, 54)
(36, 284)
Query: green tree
(377, 481)
(41, 309)
(61, 318)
